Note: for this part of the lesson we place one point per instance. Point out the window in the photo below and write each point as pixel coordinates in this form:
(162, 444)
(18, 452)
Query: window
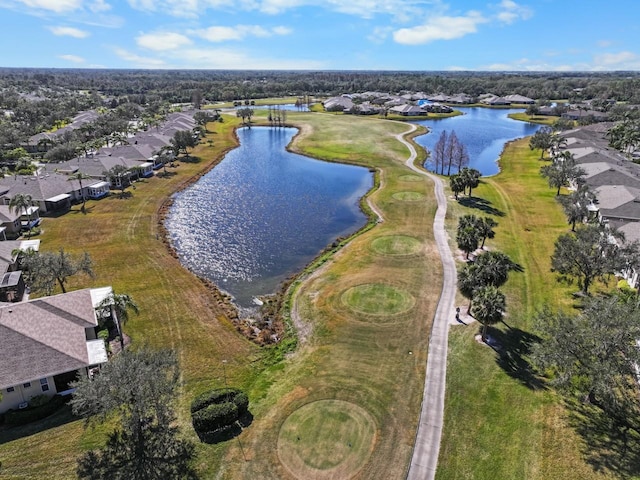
(27, 385)
(11, 389)
(44, 384)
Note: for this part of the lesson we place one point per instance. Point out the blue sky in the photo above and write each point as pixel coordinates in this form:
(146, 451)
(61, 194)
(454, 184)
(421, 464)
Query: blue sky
(527, 35)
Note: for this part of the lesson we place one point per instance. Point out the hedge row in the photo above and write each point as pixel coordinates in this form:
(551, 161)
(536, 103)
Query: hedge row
(216, 412)
(31, 414)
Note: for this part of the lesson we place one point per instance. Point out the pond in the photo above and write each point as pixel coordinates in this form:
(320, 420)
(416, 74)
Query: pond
(263, 213)
(484, 131)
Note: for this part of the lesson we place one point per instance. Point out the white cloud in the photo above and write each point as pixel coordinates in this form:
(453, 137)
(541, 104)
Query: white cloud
(219, 58)
(440, 28)
(617, 61)
(604, 43)
(139, 61)
(99, 6)
(69, 32)
(238, 32)
(57, 6)
(160, 41)
(72, 58)
(379, 34)
(510, 11)
(363, 8)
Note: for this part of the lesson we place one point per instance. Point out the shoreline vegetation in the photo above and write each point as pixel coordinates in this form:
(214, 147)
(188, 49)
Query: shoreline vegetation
(488, 405)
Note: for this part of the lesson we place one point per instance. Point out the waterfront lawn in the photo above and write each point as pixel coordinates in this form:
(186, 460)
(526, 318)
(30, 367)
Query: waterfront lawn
(500, 420)
(176, 310)
(367, 358)
(541, 119)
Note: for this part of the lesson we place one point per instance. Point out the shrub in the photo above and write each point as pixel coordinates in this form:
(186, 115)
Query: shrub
(38, 401)
(215, 416)
(219, 395)
(31, 414)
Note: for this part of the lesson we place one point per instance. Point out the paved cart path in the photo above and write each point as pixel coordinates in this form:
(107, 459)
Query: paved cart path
(427, 445)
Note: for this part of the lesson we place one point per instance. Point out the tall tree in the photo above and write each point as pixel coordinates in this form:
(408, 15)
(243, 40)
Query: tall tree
(562, 172)
(118, 306)
(45, 269)
(79, 176)
(576, 204)
(456, 182)
(22, 202)
(542, 140)
(439, 152)
(451, 151)
(485, 227)
(594, 355)
(488, 308)
(590, 253)
(119, 176)
(138, 390)
(471, 178)
(182, 140)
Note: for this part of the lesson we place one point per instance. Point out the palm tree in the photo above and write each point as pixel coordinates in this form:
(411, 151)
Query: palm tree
(488, 308)
(79, 176)
(493, 269)
(468, 282)
(119, 305)
(485, 228)
(22, 202)
(456, 182)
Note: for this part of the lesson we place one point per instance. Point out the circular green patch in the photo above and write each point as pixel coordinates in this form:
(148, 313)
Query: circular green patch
(378, 299)
(326, 439)
(408, 196)
(396, 245)
(410, 178)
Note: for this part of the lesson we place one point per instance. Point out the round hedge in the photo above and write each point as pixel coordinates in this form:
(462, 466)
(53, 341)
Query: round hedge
(217, 411)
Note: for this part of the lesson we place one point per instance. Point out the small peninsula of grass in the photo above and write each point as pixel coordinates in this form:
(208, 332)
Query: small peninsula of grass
(540, 119)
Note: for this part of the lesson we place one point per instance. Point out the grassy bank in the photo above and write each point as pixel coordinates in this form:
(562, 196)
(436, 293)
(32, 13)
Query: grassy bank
(500, 422)
(369, 312)
(176, 310)
(541, 119)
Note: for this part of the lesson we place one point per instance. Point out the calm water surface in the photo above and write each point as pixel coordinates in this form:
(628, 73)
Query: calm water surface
(484, 131)
(263, 213)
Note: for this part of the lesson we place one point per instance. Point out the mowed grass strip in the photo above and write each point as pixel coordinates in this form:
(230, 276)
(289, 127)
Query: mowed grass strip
(500, 422)
(378, 299)
(377, 366)
(176, 310)
(326, 439)
(396, 245)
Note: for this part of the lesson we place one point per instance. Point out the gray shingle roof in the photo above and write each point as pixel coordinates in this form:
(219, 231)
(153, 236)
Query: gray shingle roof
(44, 337)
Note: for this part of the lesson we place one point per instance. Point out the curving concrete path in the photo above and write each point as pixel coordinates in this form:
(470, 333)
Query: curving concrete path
(427, 444)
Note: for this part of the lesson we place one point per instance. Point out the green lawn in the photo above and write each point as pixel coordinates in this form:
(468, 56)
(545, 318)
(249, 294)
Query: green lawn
(501, 422)
(541, 119)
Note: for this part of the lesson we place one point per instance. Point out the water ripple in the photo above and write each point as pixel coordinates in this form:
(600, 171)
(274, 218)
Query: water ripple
(263, 213)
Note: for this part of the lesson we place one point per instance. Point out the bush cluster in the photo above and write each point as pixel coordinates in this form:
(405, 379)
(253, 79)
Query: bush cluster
(32, 413)
(216, 412)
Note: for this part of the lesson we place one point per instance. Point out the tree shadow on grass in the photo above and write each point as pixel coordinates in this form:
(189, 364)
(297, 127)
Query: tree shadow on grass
(608, 446)
(480, 204)
(190, 159)
(515, 347)
(58, 418)
(166, 174)
(227, 433)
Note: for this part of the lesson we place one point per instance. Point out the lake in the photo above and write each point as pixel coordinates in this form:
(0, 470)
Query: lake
(484, 131)
(263, 213)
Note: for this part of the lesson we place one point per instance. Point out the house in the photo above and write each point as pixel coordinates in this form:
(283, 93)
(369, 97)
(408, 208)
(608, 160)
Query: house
(580, 114)
(618, 203)
(604, 173)
(46, 343)
(520, 99)
(10, 222)
(495, 100)
(407, 110)
(51, 192)
(338, 104)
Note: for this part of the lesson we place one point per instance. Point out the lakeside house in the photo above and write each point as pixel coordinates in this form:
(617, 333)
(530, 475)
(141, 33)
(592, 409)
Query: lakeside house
(46, 343)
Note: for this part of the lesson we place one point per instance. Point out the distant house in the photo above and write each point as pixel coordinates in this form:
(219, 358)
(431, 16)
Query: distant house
(10, 223)
(519, 99)
(494, 100)
(48, 342)
(407, 110)
(338, 104)
(580, 114)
